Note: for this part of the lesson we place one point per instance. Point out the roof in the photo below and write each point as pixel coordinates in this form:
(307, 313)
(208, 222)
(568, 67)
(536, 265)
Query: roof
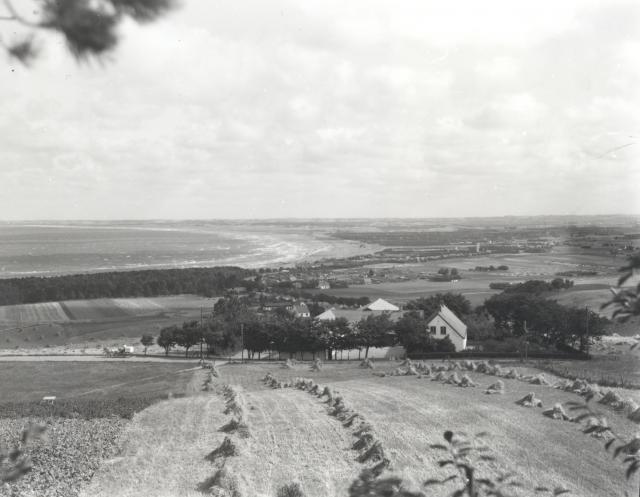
(381, 305)
(301, 308)
(327, 315)
(451, 319)
(352, 315)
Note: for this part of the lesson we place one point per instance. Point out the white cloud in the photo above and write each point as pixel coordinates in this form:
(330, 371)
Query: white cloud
(269, 109)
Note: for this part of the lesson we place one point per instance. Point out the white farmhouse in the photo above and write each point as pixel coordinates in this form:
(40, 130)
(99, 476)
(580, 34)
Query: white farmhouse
(444, 323)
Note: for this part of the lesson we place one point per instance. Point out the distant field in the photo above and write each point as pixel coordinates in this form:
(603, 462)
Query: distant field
(98, 309)
(24, 381)
(89, 322)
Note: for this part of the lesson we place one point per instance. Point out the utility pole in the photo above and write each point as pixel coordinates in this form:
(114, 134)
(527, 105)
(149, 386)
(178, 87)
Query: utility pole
(242, 338)
(586, 331)
(201, 333)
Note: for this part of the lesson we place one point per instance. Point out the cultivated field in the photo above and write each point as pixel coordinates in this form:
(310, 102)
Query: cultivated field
(93, 323)
(292, 438)
(98, 309)
(86, 423)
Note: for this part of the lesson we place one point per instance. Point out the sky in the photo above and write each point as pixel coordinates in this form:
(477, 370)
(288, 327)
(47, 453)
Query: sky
(327, 108)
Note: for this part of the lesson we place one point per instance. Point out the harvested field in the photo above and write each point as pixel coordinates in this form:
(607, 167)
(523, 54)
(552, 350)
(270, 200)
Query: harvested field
(410, 413)
(296, 436)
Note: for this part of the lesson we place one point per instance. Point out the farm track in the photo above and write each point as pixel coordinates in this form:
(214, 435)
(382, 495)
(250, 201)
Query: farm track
(293, 439)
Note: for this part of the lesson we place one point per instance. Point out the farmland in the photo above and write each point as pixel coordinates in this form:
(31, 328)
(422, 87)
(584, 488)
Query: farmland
(291, 437)
(88, 323)
(27, 381)
(86, 422)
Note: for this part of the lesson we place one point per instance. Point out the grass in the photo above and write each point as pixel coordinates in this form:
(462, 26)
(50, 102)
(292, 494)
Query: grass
(30, 381)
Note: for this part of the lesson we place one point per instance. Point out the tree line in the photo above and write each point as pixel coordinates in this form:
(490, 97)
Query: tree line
(234, 325)
(147, 283)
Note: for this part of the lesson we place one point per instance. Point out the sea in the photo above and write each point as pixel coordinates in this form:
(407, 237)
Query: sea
(49, 248)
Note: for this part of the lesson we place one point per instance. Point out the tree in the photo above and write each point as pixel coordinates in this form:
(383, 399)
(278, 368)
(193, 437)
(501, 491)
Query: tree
(375, 331)
(457, 302)
(411, 330)
(341, 336)
(167, 338)
(626, 300)
(315, 309)
(189, 335)
(147, 341)
(89, 28)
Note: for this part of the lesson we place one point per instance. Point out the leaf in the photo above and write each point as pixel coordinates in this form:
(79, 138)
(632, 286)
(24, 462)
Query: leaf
(447, 462)
(631, 470)
(560, 491)
(607, 446)
(542, 489)
(582, 417)
(487, 458)
(432, 481)
(438, 446)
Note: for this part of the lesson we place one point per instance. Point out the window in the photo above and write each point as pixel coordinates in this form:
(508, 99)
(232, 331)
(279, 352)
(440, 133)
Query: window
(443, 330)
(432, 329)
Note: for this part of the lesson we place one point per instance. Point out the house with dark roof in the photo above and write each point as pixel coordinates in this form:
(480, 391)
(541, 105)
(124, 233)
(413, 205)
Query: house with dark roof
(444, 323)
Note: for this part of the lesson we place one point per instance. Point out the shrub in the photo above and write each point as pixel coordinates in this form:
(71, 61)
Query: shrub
(290, 490)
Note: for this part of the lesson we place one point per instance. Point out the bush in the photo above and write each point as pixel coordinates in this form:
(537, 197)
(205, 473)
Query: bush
(290, 490)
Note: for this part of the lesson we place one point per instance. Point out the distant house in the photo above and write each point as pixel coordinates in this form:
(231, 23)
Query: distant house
(300, 310)
(323, 285)
(272, 306)
(327, 315)
(444, 323)
(381, 305)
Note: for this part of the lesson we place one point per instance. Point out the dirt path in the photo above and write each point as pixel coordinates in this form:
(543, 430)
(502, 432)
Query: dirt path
(89, 358)
(293, 439)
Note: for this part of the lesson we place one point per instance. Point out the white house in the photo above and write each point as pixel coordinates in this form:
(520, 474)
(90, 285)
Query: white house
(300, 310)
(444, 323)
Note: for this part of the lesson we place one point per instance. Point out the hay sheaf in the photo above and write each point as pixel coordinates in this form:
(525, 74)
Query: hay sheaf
(439, 377)
(635, 416)
(374, 453)
(220, 484)
(367, 363)
(288, 364)
(226, 449)
(612, 399)
(512, 374)
(529, 400)
(557, 412)
(539, 379)
(453, 379)
(465, 381)
(317, 365)
(497, 388)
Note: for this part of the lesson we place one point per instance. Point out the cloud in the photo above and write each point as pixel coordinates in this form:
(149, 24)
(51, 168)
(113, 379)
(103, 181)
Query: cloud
(285, 108)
